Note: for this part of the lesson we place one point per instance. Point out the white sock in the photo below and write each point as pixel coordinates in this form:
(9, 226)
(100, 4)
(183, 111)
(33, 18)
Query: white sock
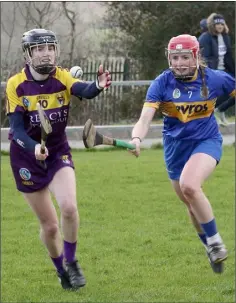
(214, 239)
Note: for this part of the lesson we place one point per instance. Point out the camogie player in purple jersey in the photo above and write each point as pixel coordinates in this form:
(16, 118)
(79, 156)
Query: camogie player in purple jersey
(186, 94)
(42, 81)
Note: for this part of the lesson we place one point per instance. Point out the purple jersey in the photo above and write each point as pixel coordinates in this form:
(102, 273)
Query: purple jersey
(23, 93)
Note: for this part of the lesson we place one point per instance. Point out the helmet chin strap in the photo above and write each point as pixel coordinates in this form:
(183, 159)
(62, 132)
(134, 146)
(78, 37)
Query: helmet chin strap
(184, 77)
(44, 69)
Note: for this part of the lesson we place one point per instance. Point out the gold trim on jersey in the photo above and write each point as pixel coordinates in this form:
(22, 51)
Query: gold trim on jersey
(64, 76)
(155, 105)
(47, 101)
(185, 111)
(233, 94)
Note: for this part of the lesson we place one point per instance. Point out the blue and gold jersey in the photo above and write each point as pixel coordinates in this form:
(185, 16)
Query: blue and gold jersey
(54, 95)
(187, 113)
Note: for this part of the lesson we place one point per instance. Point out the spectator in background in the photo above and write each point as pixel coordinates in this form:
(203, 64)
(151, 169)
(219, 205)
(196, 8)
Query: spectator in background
(216, 50)
(203, 27)
(216, 45)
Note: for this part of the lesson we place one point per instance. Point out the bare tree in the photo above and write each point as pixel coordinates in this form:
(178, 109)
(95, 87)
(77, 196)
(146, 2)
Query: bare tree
(9, 63)
(39, 14)
(71, 16)
(10, 31)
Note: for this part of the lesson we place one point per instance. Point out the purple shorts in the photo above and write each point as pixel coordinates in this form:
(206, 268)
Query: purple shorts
(29, 175)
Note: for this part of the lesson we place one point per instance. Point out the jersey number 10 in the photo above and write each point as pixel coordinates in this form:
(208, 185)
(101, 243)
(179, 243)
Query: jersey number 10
(43, 103)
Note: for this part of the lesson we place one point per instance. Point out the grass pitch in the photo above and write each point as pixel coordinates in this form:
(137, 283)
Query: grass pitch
(136, 243)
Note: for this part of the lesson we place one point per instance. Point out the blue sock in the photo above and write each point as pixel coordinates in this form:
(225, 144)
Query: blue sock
(203, 238)
(210, 228)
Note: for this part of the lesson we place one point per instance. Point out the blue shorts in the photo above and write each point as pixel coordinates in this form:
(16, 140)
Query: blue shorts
(178, 152)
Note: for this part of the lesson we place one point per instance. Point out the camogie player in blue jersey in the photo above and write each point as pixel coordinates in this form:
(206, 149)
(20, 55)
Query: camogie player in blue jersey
(186, 94)
(41, 80)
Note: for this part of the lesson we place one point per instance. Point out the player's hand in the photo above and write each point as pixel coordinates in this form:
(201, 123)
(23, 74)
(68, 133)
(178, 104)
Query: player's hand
(136, 151)
(103, 78)
(38, 154)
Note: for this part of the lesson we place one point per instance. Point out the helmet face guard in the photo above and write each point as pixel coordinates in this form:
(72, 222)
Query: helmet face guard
(192, 68)
(184, 44)
(42, 64)
(34, 39)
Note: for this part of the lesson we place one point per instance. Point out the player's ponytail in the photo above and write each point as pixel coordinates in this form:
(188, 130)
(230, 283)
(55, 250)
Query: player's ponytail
(204, 89)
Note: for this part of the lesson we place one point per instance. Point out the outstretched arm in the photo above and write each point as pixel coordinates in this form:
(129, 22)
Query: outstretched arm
(89, 91)
(152, 102)
(141, 128)
(85, 90)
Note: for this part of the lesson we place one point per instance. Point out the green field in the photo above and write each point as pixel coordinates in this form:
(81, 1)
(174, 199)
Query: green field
(136, 243)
